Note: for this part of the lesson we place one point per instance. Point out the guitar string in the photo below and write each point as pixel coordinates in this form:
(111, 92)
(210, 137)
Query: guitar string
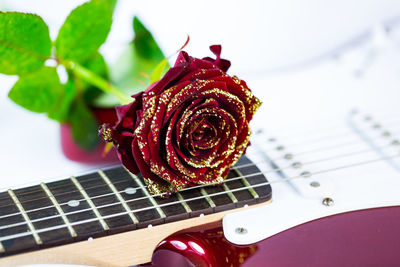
(235, 167)
(289, 130)
(306, 142)
(194, 187)
(14, 236)
(103, 185)
(366, 117)
(306, 163)
(146, 197)
(331, 125)
(305, 130)
(323, 149)
(95, 178)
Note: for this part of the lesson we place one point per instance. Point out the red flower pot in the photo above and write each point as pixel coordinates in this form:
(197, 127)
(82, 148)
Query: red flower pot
(74, 152)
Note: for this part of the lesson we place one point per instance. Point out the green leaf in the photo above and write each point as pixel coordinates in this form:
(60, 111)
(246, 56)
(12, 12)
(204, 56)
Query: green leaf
(84, 31)
(84, 126)
(61, 112)
(40, 91)
(145, 45)
(25, 43)
(133, 69)
(159, 71)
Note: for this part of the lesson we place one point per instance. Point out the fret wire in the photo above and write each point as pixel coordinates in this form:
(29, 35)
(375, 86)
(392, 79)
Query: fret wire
(2, 250)
(31, 227)
(209, 200)
(136, 210)
(118, 195)
(234, 167)
(90, 202)
(59, 209)
(184, 204)
(246, 183)
(194, 187)
(229, 193)
(150, 197)
(202, 197)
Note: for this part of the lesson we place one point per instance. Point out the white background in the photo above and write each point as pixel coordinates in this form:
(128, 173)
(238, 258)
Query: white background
(296, 56)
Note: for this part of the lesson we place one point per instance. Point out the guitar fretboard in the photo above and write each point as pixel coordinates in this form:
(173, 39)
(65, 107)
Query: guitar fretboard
(111, 201)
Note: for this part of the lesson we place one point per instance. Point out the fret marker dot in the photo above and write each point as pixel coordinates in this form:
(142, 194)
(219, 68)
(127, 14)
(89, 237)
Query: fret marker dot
(90, 239)
(202, 215)
(130, 190)
(73, 203)
(246, 206)
(149, 226)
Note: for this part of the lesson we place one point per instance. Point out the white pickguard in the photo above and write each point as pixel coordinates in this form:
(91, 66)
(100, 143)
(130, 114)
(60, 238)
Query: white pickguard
(357, 139)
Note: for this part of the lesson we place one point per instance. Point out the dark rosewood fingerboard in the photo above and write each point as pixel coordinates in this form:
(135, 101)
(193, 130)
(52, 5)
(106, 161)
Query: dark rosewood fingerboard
(112, 201)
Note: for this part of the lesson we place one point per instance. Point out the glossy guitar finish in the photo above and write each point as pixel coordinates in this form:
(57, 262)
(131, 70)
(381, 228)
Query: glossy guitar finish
(335, 203)
(361, 238)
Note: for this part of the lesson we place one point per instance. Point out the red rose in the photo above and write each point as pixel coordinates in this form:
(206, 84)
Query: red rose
(188, 128)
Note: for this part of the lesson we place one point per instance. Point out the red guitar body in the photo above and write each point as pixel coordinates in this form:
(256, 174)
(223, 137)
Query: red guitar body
(360, 238)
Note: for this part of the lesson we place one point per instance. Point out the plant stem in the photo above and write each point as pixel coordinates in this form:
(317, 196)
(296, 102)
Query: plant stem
(98, 81)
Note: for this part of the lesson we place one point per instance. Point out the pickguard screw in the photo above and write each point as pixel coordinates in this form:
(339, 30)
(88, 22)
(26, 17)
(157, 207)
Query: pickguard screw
(376, 126)
(241, 230)
(315, 184)
(306, 174)
(328, 201)
(395, 142)
(296, 165)
(288, 156)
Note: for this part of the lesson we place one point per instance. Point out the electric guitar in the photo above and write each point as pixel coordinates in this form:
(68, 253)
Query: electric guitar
(325, 194)
(108, 218)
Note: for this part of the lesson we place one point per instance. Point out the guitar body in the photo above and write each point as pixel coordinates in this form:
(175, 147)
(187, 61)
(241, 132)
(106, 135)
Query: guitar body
(321, 215)
(360, 238)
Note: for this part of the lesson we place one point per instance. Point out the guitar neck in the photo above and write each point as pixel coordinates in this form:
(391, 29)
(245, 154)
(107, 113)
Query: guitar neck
(112, 201)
